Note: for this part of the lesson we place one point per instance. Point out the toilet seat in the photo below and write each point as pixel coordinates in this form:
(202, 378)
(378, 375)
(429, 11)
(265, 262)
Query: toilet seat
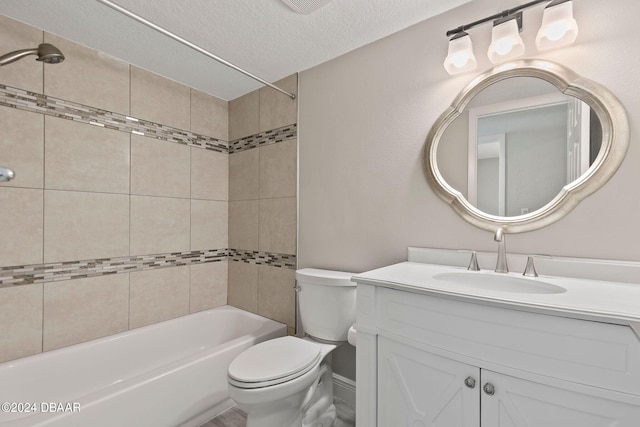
(274, 362)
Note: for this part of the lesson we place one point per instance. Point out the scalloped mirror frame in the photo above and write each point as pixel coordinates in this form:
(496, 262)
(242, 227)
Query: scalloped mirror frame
(615, 141)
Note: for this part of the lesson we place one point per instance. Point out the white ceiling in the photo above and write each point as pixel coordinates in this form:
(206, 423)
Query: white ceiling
(264, 37)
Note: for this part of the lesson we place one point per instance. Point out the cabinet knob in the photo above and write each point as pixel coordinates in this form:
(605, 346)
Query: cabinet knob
(470, 382)
(489, 389)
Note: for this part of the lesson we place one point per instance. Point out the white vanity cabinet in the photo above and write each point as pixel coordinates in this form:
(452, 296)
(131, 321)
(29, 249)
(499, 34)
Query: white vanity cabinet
(419, 388)
(429, 359)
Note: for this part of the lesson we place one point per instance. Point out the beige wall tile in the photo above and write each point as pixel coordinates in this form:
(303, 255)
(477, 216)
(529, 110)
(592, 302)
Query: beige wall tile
(208, 285)
(159, 168)
(88, 77)
(276, 294)
(209, 175)
(244, 175)
(278, 169)
(22, 146)
(209, 115)
(243, 225)
(21, 226)
(80, 310)
(20, 321)
(159, 225)
(85, 225)
(85, 158)
(25, 73)
(243, 286)
(277, 109)
(244, 116)
(278, 225)
(209, 224)
(158, 99)
(158, 295)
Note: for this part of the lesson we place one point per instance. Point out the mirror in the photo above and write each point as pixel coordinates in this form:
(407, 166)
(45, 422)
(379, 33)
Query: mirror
(526, 140)
(523, 143)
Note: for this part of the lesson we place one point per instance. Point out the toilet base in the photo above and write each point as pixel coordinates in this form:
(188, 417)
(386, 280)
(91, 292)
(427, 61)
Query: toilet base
(320, 411)
(311, 406)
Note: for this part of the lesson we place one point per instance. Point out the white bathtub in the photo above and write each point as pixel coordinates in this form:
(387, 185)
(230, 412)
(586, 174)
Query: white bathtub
(172, 373)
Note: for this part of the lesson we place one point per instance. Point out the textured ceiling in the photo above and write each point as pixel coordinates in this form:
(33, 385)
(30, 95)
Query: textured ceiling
(264, 37)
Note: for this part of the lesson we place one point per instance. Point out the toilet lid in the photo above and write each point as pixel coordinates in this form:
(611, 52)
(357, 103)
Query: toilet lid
(274, 359)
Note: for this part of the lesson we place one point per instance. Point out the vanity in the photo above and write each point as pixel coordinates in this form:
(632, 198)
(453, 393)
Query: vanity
(445, 341)
(439, 345)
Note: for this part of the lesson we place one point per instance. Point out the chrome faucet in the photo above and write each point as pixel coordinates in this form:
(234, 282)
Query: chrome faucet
(501, 263)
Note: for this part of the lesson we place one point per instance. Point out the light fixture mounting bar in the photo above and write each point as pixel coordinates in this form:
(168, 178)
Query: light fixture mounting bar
(505, 13)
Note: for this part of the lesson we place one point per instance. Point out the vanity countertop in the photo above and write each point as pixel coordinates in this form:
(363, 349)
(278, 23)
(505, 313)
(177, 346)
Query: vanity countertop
(610, 302)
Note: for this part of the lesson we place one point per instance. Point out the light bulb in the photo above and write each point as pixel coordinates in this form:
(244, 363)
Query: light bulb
(556, 31)
(503, 46)
(461, 59)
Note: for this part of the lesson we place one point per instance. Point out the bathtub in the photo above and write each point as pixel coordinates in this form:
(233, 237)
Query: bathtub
(172, 373)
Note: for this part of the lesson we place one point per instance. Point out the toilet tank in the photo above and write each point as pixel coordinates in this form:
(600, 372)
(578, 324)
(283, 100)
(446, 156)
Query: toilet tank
(326, 302)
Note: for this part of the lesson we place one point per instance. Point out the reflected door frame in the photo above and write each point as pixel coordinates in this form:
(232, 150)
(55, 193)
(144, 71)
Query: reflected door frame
(494, 146)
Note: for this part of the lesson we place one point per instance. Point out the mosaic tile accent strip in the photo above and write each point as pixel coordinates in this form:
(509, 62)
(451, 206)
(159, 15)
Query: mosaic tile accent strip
(53, 272)
(263, 138)
(263, 258)
(43, 104)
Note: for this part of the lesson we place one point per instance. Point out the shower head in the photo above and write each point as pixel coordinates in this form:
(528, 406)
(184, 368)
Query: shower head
(46, 53)
(49, 54)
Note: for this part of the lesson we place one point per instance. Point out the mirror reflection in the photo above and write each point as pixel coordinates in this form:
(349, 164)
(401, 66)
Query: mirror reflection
(517, 144)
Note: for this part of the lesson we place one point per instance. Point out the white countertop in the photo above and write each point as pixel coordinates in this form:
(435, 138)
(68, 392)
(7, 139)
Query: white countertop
(611, 302)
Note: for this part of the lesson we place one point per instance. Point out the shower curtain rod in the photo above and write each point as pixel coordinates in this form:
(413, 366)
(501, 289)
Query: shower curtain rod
(191, 45)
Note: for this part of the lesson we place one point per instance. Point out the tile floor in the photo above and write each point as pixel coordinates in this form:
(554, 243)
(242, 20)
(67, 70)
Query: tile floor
(234, 417)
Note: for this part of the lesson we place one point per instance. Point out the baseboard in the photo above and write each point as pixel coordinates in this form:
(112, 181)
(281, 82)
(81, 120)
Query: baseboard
(344, 389)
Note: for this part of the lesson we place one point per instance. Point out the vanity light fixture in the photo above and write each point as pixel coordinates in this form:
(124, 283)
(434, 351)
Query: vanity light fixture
(460, 57)
(559, 28)
(506, 42)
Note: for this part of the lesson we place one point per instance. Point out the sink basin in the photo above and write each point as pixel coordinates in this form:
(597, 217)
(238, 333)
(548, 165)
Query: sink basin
(496, 282)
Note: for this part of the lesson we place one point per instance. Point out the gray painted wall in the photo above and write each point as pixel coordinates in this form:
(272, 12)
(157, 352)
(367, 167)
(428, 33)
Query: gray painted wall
(363, 119)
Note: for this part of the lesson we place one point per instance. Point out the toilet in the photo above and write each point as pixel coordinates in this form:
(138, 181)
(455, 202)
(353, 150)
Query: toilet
(288, 381)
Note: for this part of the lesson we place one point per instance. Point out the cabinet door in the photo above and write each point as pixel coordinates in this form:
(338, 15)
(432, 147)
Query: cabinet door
(520, 403)
(417, 388)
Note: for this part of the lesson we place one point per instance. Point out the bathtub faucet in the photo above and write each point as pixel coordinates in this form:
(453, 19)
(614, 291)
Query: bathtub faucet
(501, 262)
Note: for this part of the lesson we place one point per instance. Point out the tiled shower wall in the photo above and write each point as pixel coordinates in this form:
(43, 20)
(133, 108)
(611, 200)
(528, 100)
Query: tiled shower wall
(262, 200)
(118, 215)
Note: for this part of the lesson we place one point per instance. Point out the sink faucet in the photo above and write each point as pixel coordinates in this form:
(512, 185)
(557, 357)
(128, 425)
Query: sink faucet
(501, 263)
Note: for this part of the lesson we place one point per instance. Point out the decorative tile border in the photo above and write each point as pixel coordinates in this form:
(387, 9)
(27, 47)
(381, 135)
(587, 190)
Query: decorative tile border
(43, 104)
(39, 103)
(53, 272)
(263, 138)
(263, 258)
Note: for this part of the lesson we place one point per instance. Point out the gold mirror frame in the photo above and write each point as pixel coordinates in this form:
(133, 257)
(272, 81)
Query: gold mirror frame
(615, 141)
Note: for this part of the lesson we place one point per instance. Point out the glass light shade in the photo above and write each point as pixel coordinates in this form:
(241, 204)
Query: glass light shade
(460, 57)
(558, 26)
(505, 42)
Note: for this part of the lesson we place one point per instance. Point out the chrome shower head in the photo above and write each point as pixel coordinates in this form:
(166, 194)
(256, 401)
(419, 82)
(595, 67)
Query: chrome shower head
(49, 54)
(46, 53)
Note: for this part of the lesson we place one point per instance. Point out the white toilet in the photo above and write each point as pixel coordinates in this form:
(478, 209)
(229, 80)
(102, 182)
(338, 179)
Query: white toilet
(287, 382)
